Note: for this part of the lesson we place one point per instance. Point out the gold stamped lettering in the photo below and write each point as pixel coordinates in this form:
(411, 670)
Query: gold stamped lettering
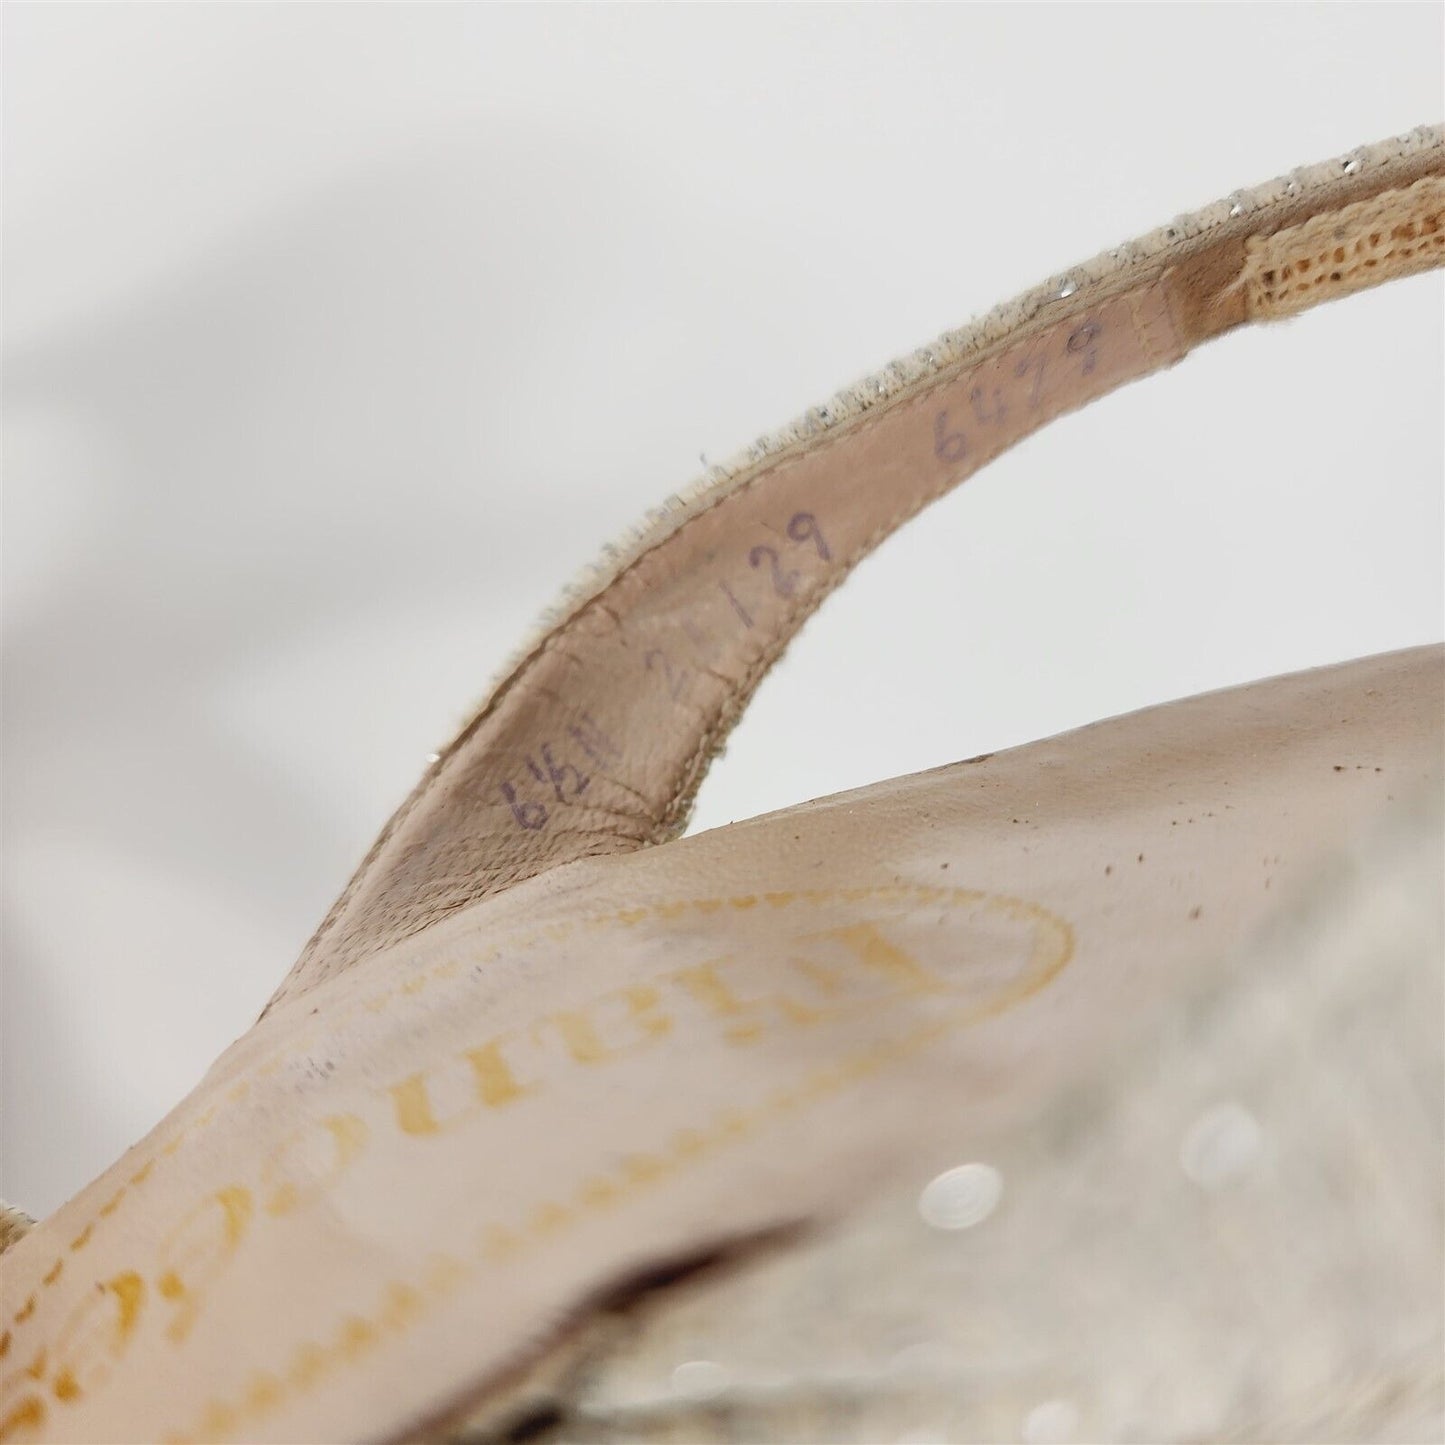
(496, 1083)
(864, 943)
(589, 1036)
(834, 973)
(490, 1083)
(743, 1019)
(28, 1415)
(95, 1335)
(29, 1412)
(196, 1252)
(310, 1160)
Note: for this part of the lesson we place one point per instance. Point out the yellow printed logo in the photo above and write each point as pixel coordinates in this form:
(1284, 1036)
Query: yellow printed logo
(829, 988)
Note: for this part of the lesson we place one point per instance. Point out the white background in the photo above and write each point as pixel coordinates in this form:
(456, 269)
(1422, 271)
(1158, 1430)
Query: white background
(338, 338)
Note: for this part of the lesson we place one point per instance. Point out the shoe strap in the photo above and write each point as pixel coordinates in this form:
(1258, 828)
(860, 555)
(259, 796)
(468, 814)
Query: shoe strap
(598, 738)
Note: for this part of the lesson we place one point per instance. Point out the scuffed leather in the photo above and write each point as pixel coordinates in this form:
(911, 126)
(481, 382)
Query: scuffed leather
(398, 1188)
(598, 740)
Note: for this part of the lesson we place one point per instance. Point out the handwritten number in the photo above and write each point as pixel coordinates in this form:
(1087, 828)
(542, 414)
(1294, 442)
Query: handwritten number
(562, 776)
(565, 779)
(804, 528)
(951, 446)
(988, 412)
(737, 606)
(784, 583)
(948, 446)
(530, 815)
(1082, 343)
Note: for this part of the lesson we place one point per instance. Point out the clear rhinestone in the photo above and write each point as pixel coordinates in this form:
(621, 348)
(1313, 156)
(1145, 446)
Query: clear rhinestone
(962, 1197)
(1221, 1145)
(699, 1380)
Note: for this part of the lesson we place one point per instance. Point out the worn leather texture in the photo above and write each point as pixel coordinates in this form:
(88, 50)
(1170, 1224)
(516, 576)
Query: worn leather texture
(402, 1188)
(597, 741)
(532, 1066)
(1221, 1232)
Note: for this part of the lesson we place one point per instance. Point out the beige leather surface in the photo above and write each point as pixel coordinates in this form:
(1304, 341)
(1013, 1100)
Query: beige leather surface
(398, 1188)
(1228, 1231)
(597, 742)
(529, 1064)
